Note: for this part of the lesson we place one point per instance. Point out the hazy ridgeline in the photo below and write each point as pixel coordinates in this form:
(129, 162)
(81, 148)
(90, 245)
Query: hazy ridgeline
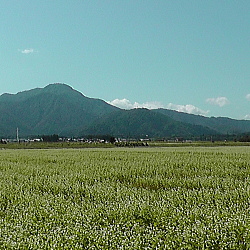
(144, 198)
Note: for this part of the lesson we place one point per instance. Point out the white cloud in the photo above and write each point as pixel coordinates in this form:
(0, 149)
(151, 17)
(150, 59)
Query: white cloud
(27, 51)
(248, 97)
(122, 103)
(247, 117)
(189, 108)
(219, 101)
(149, 105)
(126, 104)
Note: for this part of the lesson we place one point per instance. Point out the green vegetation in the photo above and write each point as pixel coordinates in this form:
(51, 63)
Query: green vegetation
(131, 144)
(198, 144)
(55, 145)
(138, 123)
(124, 198)
(222, 125)
(55, 109)
(59, 109)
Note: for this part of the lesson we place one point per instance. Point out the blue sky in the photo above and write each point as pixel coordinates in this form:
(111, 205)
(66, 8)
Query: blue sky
(191, 56)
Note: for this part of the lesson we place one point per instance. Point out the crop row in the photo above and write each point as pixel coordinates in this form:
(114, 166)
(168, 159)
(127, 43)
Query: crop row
(171, 198)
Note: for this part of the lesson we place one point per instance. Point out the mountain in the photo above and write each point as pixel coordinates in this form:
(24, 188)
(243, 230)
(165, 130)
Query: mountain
(142, 123)
(221, 125)
(57, 108)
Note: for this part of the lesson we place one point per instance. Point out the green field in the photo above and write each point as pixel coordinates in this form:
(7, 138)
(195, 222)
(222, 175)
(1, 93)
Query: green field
(125, 198)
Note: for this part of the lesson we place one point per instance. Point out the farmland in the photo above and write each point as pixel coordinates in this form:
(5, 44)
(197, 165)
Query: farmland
(125, 198)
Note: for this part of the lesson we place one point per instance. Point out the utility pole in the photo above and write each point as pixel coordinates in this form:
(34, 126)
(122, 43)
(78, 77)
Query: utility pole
(17, 134)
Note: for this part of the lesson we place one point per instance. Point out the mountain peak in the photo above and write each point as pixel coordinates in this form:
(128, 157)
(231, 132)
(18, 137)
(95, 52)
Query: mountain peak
(54, 88)
(55, 108)
(58, 108)
(58, 86)
(62, 89)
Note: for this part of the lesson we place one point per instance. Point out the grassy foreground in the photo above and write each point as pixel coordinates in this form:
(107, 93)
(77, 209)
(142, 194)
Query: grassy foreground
(63, 145)
(143, 198)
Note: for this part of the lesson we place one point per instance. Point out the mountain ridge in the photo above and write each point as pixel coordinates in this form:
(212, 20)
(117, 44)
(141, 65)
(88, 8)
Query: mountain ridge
(223, 125)
(53, 109)
(60, 109)
(142, 122)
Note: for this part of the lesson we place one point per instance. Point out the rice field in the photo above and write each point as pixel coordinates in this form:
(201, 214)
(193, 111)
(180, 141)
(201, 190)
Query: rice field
(125, 198)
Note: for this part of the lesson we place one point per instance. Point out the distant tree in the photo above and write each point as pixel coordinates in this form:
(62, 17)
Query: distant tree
(3, 141)
(107, 138)
(50, 138)
(245, 138)
(112, 139)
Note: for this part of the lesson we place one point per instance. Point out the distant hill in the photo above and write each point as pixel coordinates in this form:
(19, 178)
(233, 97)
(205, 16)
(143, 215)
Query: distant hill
(143, 123)
(221, 125)
(59, 109)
